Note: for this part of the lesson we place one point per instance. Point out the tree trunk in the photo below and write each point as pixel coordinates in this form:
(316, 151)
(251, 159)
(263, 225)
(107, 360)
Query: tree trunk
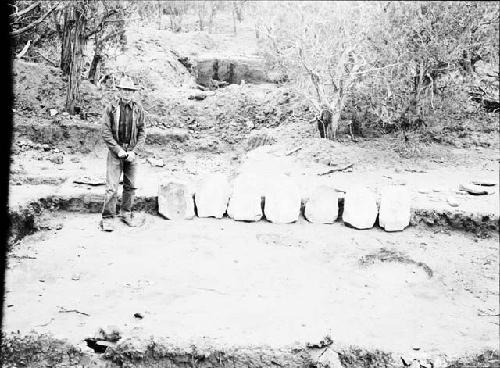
(93, 66)
(66, 40)
(77, 47)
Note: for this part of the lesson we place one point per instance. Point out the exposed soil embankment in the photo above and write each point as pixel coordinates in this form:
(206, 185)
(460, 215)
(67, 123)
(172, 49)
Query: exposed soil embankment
(43, 350)
(85, 137)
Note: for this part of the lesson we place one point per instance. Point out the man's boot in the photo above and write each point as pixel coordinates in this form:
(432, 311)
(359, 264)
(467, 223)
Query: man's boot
(107, 224)
(131, 220)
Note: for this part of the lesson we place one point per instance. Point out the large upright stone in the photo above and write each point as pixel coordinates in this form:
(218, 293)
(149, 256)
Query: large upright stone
(212, 196)
(322, 206)
(360, 208)
(175, 200)
(394, 213)
(282, 204)
(245, 201)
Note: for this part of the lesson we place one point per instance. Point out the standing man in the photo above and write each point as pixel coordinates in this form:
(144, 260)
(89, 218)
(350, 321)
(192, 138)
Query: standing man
(124, 133)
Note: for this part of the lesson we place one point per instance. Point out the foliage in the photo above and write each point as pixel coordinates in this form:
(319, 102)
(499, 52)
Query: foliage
(435, 46)
(391, 64)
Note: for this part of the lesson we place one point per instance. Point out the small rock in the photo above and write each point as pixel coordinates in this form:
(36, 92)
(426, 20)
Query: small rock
(249, 124)
(76, 160)
(475, 189)
(53, 112)
(452, 201)
(155, 162)
(484, 182)
(424, 191)
(138, 315)
(197, 97)
(57, 158)
(329, 359)
(89, 181)
(110, 333)
(56, 150)
(46, 147)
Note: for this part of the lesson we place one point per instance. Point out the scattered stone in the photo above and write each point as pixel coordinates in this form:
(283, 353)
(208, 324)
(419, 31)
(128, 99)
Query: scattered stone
(452, 201)
(245, 201)
(57, 158)
(283, 201)
(475, 189)
(394, 213)
(484, 182)
(53, 112)
(46, 147)
(89, 181)
(322, 206)
(360, 208)
(155, 162)
(175, 200)
(197, 97)
(200, 96)
(110, 333)
(138, 315)
(329, 359)
(212, 196)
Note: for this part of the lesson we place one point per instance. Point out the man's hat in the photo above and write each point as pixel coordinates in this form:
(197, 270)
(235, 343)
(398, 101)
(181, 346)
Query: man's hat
(127, 83)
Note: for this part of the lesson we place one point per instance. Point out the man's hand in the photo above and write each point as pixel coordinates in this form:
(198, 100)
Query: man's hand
(122, 154)
(131, 156)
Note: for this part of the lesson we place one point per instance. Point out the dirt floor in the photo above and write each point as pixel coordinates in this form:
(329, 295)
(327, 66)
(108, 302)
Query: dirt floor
(230, 283)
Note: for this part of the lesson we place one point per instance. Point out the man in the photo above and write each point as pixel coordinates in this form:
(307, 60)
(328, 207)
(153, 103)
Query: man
(124, 133)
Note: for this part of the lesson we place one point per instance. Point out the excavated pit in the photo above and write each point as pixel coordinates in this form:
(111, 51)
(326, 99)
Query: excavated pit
(221, 293)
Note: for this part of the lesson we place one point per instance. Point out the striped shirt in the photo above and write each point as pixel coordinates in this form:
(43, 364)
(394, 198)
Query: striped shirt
(125, 125)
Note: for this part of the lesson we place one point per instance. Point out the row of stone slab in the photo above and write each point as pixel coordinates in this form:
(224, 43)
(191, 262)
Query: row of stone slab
(214, 198)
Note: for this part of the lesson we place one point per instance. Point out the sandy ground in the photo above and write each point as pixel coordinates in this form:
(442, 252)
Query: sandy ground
(235, 283)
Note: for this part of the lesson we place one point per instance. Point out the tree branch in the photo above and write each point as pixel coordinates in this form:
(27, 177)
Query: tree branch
(376, 69)
(24, 11)
(98, 28)
(314, 77)
(35, 23)
(24, 50)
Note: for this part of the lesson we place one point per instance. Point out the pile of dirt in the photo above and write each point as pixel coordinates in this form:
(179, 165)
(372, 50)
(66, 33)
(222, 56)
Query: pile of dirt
(150, 61)
(229, 114)
(37, 88)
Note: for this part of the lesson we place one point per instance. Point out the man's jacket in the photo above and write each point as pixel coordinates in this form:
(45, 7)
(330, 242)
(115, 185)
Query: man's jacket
(111, 121)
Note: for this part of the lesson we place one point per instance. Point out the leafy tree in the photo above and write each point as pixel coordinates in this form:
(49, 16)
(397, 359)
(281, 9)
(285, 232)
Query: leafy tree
(322, 49)
(435, 45)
